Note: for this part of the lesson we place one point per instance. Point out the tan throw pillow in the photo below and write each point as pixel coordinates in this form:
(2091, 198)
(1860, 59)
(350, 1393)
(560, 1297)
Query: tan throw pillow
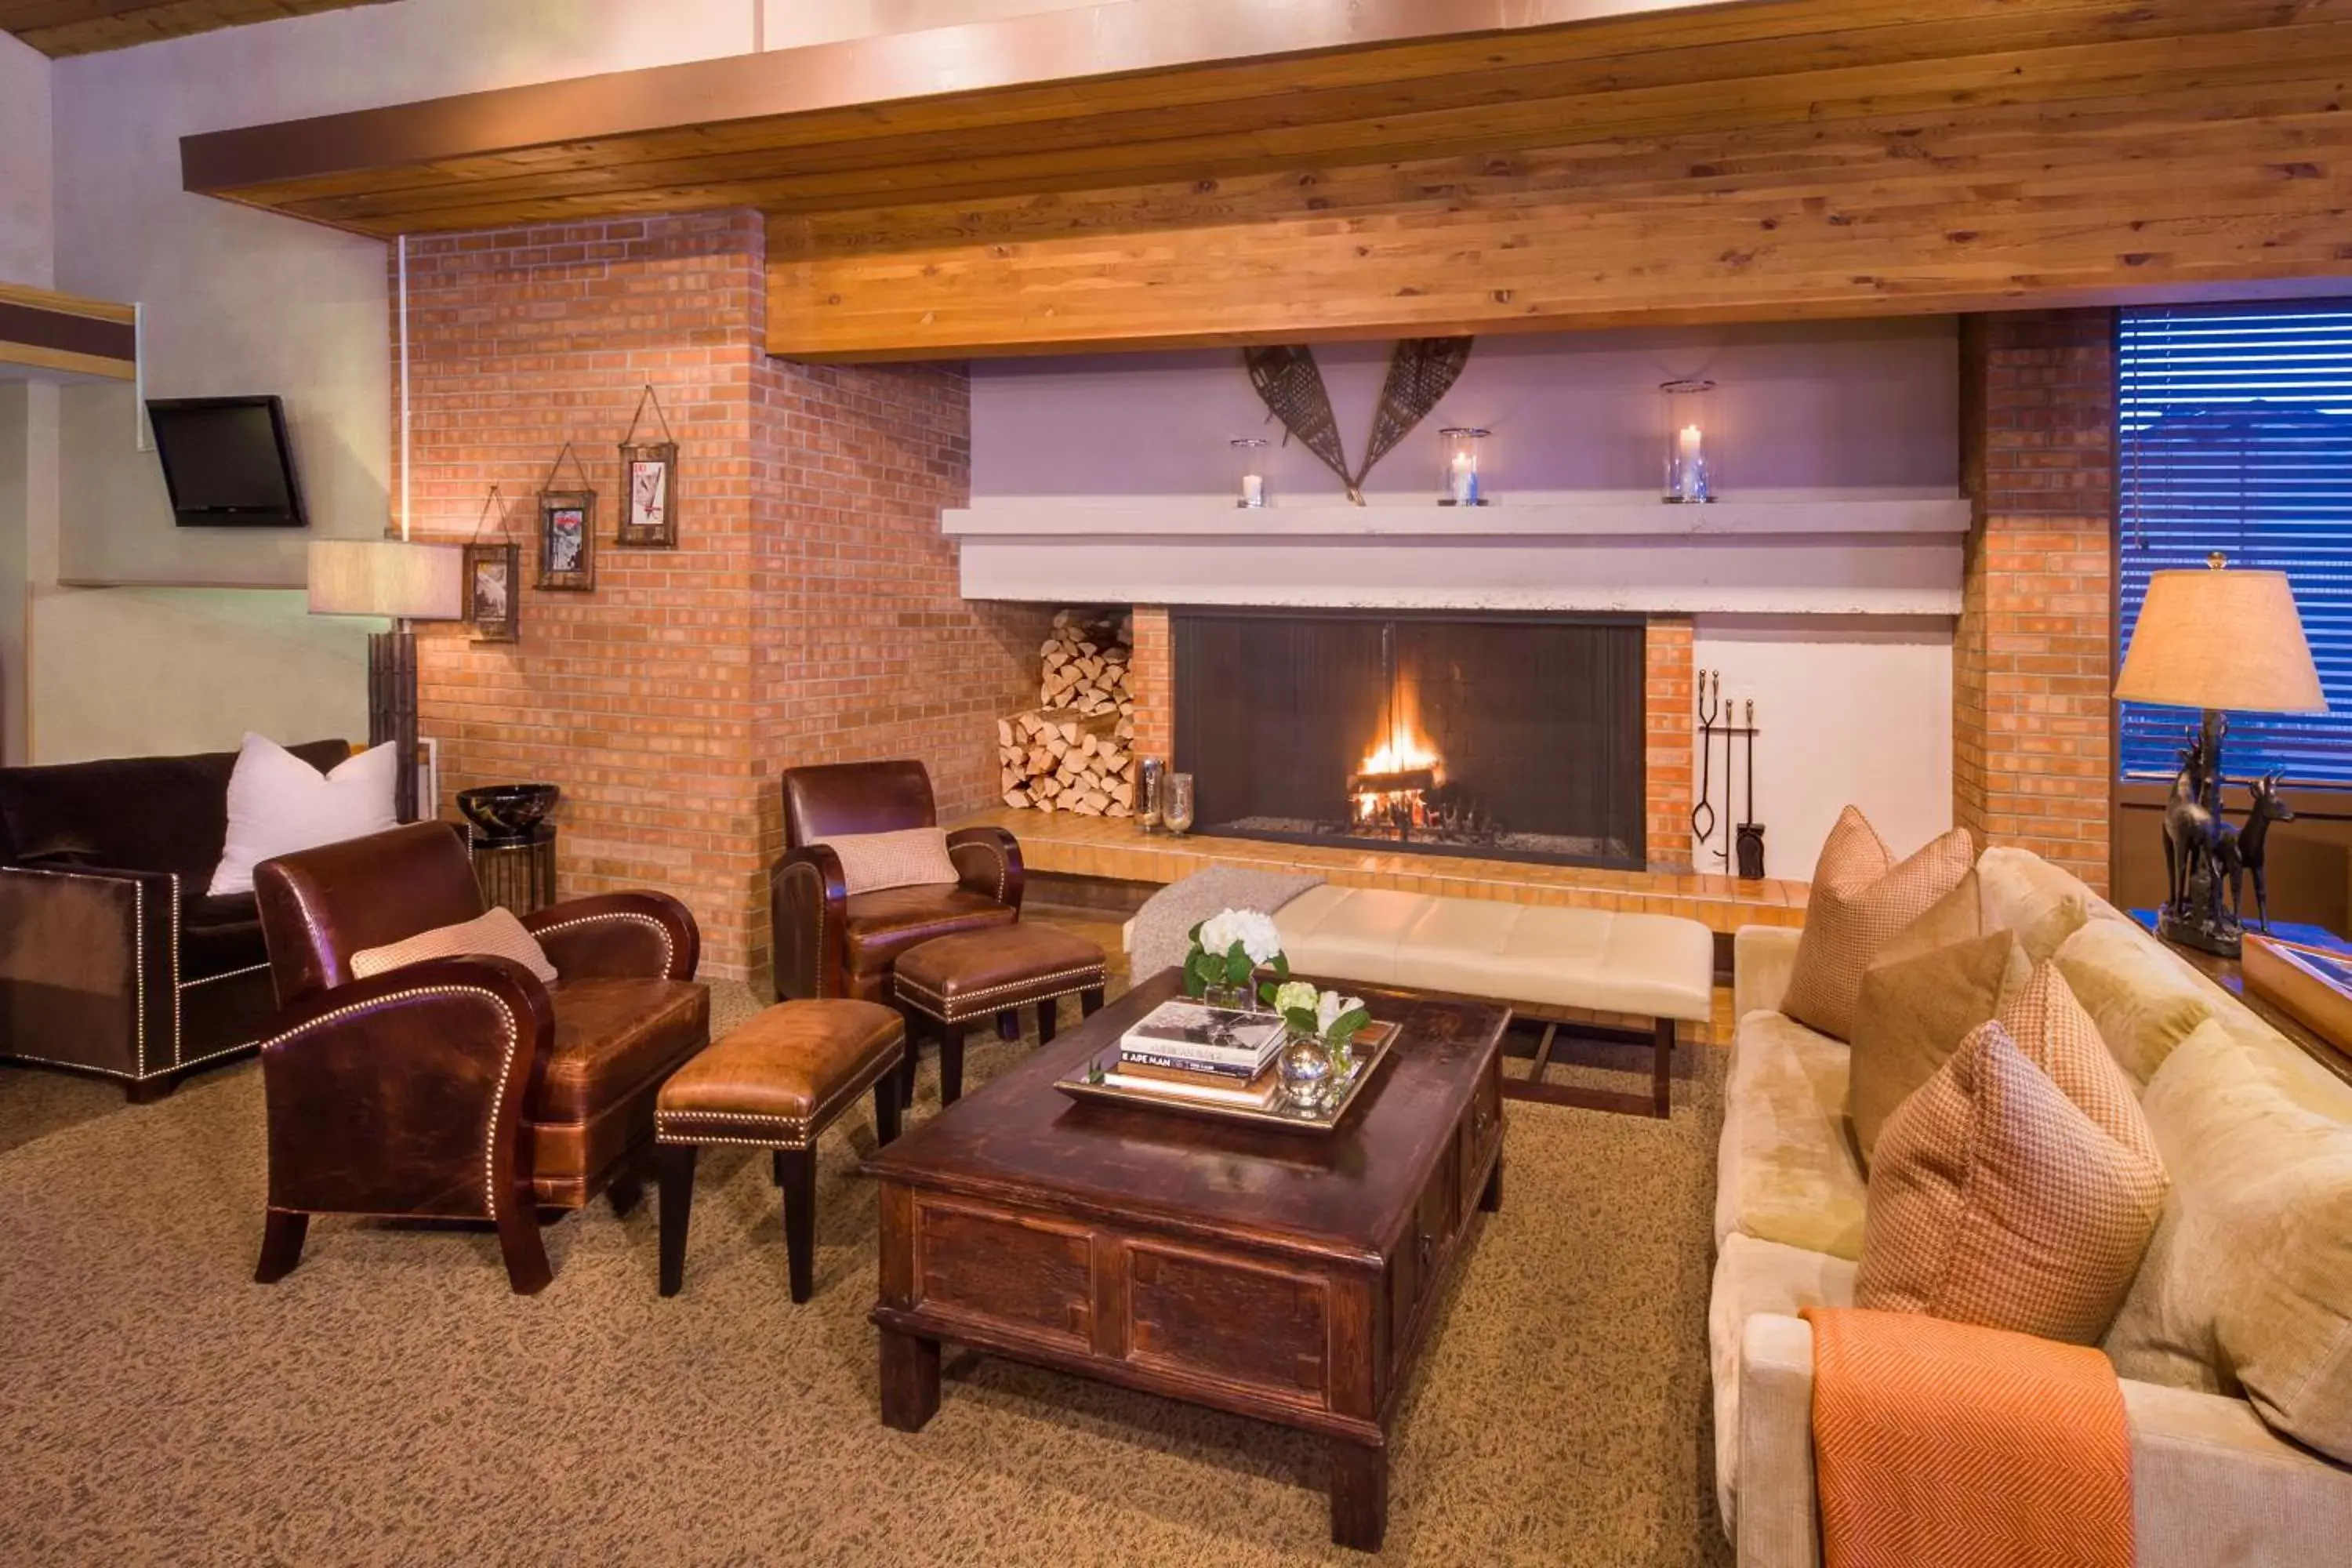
(910, 858)
(2247, 1290)
(1861, 898)
(1914, 1010)
(498, 933)
(2000, 1197)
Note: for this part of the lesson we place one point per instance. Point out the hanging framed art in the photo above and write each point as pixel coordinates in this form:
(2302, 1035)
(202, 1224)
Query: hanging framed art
(648, 483)
(494, 578)
(567, 531)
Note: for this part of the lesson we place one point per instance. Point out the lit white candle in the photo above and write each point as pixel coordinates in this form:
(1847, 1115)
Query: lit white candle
(1463, 479)
(1691, 465)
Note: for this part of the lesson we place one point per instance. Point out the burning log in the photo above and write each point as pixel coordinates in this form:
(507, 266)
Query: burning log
(1408, 780)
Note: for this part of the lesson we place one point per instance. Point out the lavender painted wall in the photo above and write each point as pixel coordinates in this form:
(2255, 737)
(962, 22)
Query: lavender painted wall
(1869, 406)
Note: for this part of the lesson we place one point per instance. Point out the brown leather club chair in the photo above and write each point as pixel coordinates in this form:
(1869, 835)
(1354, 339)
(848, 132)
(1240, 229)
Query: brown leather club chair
(832, 942)
(461, 1087)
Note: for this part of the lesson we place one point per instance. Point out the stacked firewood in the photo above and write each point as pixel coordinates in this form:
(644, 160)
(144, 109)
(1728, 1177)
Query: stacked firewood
(1074, 751)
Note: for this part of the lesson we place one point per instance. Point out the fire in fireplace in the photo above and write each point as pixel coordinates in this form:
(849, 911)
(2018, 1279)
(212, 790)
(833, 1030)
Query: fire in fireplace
(1510, 737)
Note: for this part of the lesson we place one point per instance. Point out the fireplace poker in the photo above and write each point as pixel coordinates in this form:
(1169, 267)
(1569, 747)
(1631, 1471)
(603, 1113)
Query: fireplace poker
(1703, 813)
(1751, 832)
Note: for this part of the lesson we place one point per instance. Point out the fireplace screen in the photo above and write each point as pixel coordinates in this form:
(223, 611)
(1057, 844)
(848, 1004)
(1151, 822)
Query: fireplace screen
(1506, 737)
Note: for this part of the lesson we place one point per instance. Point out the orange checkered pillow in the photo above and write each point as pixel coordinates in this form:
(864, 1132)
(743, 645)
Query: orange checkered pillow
(2018, 1187)
(1861, 898)
(910, 857)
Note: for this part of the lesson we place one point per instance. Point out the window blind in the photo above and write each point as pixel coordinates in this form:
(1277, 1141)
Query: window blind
(2235, 434)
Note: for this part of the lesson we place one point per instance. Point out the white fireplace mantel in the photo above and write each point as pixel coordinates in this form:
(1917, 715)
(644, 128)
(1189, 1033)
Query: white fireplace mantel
(1835, 554)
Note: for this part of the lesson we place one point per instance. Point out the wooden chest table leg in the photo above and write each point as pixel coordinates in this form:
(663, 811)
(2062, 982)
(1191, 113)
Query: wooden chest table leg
(910, 1381)
(1359, 1495)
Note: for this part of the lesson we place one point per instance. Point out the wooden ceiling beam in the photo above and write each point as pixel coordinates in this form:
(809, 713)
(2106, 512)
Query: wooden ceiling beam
(1795, 223)
(60, 27)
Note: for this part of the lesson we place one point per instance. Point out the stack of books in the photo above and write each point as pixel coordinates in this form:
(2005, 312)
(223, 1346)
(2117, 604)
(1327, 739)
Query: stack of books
(1188, 1052)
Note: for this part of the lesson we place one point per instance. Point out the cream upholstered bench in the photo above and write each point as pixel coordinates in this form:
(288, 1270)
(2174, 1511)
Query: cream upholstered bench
(1660, 967)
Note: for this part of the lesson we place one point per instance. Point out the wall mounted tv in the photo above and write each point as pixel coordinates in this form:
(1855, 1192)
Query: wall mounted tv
(227, 462)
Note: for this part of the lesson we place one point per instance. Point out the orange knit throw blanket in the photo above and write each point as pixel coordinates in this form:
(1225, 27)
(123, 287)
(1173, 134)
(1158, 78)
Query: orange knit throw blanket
(1966, 1447)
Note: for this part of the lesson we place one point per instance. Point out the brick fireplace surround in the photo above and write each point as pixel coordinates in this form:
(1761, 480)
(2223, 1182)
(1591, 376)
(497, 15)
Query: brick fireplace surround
(812, 612)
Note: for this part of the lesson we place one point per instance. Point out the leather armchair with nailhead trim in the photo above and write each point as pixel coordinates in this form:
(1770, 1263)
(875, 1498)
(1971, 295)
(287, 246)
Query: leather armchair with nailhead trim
(462, 1088)
(113, 960)
(832, 943)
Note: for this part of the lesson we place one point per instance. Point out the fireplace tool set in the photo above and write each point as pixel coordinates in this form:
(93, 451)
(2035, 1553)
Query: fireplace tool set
(1743, 844)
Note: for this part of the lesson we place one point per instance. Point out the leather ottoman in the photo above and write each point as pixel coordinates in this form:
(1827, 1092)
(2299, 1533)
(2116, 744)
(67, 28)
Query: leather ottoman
(951, 980)
(776, 1083)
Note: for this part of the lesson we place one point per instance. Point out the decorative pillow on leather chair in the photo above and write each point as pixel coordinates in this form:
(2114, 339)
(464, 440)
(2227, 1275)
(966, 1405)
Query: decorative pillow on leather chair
(2018, 1187)
(913, 857)
(1860, 899)
(496, 932)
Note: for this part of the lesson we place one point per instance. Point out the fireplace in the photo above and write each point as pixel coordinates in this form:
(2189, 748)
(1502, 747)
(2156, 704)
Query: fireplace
(1503, 737)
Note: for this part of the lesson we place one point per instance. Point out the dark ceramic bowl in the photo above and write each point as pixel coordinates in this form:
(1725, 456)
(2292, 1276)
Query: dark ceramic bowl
(508, 811)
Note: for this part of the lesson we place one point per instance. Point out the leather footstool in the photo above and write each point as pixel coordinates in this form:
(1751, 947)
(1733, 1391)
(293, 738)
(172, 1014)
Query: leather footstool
(996, 972)
(776, 1083)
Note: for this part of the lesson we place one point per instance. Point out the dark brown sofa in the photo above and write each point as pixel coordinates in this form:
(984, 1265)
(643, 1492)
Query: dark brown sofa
(832, 942)
(113, 960)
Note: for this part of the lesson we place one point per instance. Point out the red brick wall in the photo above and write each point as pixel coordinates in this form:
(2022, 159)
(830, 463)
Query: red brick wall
(1152, 681)
(809, 612)
(2033, 655)
(1667, 709)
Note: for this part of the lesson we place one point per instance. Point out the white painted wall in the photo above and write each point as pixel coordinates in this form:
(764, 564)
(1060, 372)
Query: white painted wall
(1854, 709)
(239, 302)
(1860, 408)
(28, 436)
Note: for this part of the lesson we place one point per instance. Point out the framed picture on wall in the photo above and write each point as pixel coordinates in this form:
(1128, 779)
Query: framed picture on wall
(649, 495)
(494, 591)
(567, 541)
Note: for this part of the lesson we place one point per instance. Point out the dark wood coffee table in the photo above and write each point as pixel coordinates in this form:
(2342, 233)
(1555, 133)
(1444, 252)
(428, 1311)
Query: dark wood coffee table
(1291, 1278)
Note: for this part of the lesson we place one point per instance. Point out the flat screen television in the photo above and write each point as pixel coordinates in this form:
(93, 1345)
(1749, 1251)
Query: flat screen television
(227, 462)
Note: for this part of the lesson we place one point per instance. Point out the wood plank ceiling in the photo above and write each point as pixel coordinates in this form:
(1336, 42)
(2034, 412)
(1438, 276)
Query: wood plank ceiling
(87, 27)
(1170, 172)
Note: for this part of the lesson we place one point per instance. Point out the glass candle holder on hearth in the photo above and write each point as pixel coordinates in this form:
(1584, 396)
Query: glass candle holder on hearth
(1465, 450)
(1176, 802)
(1250, 459)
(1689, 413)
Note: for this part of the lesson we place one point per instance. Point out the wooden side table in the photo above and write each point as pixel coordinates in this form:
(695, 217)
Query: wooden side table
(2229, 975)
(518, 874)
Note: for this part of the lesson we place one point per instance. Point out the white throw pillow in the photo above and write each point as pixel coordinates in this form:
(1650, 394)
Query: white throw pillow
(277, 803)
(496, 932)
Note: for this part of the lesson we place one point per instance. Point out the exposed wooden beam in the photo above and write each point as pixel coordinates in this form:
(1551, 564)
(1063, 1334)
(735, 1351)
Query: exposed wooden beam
(44, 333)
(2104, 202)
(59, 28)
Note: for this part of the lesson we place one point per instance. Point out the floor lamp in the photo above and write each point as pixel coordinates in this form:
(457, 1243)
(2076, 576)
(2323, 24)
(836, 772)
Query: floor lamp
(405, 582)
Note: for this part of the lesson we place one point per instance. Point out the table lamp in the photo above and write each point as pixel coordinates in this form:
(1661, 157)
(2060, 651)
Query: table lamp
(2214, 640)
(406, 584)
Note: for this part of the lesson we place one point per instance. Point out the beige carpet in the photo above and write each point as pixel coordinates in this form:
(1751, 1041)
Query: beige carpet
(391, 1403)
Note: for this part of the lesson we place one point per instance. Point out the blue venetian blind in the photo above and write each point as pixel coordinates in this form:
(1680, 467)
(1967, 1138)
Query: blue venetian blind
(2236, 435)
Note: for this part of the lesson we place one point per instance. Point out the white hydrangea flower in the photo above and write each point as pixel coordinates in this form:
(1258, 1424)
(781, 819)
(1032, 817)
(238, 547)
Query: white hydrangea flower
(1258, 935)
(1217, 932)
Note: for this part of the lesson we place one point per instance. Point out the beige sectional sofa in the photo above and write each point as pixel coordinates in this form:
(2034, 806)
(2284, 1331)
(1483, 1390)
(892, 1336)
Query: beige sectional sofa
(2239, 1328)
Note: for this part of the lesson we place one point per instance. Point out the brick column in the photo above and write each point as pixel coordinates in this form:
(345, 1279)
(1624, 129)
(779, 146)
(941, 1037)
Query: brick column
(1666, 659)
(2034, 656)
(810, 612)
(1151, 677)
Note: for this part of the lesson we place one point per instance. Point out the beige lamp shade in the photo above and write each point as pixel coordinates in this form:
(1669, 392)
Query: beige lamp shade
(388, 577)
(2222, 639)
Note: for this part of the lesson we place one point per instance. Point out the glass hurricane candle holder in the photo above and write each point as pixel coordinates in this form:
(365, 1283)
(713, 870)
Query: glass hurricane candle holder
(1176, 802)
(1465, 486)
(1690, 473)
(1249, 464)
